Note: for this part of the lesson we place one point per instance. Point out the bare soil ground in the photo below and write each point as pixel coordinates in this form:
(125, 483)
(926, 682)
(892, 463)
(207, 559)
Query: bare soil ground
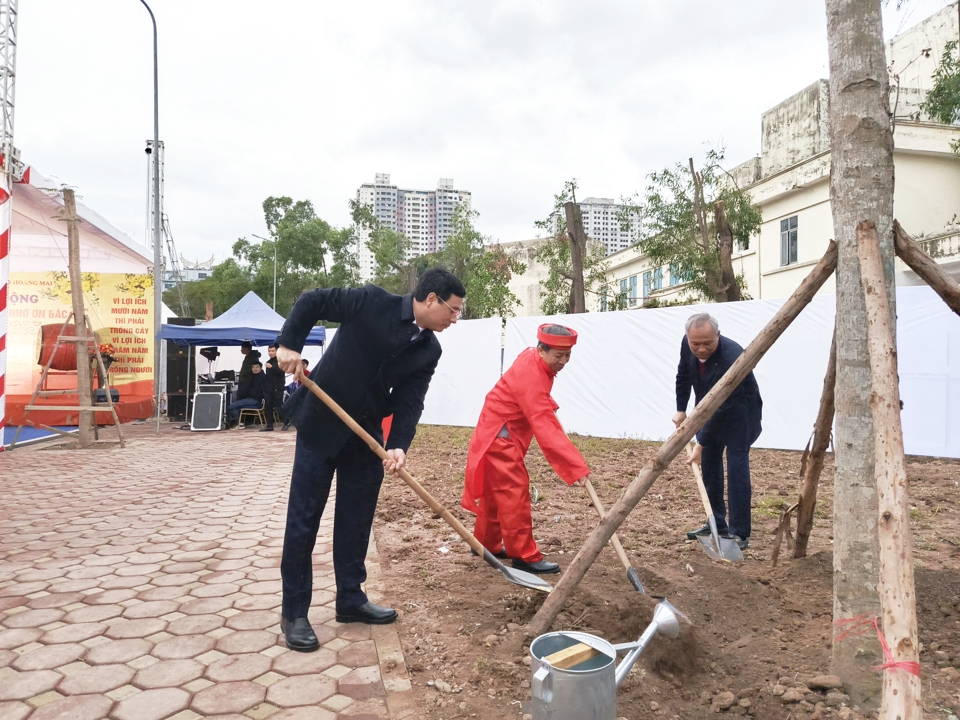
(759, 632)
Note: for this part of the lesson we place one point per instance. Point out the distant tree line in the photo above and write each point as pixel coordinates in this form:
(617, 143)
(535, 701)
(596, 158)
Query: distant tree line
(311, 253)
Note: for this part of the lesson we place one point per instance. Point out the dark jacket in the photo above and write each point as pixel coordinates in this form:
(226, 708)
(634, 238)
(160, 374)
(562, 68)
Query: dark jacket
(372, 368)
(276, 378)
(246, 368)
(252, 386)
(737, 422)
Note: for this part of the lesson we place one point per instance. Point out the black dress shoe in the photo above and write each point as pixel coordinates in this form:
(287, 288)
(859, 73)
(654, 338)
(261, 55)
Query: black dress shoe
(299, 634)
(502, 554)
(268, 428)
(367, 613)
(541, 567)
(704, 531)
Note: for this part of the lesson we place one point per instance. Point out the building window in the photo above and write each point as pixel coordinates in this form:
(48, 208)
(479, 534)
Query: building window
(623, 289)
(679, 276)
(658, 279)
(632, 291)
(788, 241)
(603, 299)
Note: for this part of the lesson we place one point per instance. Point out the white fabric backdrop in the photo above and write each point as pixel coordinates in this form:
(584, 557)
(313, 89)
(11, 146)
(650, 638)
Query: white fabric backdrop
(620, 382)
(468, 369)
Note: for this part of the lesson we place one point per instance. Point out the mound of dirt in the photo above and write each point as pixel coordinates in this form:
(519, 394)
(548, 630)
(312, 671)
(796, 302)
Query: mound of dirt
(758, 633)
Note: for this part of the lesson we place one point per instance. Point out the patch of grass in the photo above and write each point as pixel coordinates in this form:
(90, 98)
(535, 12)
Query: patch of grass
(772, 505)
(915, 513)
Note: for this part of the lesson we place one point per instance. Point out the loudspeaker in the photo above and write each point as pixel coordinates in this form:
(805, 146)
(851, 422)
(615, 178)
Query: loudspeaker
(177, 409)
(207, 411)
(181, 379)
(100, 396)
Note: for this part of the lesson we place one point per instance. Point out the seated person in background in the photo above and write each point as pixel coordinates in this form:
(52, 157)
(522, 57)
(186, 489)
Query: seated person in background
(251, 393)
(291, 389)
(250, 356)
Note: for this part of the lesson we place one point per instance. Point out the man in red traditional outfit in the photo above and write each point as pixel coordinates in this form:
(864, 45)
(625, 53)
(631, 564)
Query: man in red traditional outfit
(519, 408)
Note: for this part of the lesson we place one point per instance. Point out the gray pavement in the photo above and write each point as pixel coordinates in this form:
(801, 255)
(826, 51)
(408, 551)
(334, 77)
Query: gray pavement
(144, 583)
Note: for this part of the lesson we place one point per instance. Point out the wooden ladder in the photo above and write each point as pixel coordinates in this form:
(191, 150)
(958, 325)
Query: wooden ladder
(81, 342)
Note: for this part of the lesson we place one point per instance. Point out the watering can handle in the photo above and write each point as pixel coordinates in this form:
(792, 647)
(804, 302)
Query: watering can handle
(541, 689)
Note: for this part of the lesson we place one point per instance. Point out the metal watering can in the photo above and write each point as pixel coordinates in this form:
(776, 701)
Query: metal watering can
(574, 677)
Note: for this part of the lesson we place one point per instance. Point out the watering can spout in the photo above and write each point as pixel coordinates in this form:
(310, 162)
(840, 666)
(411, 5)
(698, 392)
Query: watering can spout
(665, 622)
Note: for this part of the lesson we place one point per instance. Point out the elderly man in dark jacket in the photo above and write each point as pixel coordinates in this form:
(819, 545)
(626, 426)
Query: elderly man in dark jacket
(705, 355)
(379, 363)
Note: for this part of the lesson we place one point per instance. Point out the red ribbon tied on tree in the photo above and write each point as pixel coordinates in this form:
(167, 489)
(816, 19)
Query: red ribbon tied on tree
(861, 625)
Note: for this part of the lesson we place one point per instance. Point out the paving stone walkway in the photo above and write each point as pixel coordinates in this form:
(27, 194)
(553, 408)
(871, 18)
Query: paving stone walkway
(144, 583)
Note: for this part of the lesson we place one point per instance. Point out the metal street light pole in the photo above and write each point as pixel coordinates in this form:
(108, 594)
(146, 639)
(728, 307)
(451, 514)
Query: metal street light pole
(157, 261)
(274, 269)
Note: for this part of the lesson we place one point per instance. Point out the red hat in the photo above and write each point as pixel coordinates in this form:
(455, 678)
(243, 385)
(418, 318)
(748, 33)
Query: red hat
(557, 341)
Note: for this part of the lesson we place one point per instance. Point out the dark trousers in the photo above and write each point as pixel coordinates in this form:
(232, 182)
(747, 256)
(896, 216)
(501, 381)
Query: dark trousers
(359, 475)
(269, 403)
(738, 487)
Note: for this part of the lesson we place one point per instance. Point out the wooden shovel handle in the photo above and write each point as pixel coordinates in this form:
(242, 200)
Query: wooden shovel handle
(707, 507)
(615, 541)
(382, 454)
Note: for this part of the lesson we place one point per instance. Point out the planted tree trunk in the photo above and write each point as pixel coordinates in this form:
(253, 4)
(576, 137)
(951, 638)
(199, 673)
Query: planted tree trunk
(675, 443)
(725, 252)
(901, 688)
(578, 249)
(84, 378)
(927, 268)
(821, 439)
(861, 188)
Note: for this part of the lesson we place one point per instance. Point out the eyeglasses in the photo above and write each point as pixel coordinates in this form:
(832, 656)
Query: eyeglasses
(453, 310)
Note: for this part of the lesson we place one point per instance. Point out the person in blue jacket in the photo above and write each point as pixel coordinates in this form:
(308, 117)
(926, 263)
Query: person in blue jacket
(705, 356)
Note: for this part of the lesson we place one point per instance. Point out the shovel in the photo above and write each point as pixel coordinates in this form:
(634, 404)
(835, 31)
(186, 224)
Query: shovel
(717, 548)
(518, 577)
(615, 541)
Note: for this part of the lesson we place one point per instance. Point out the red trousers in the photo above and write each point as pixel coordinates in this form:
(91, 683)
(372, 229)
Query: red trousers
(503, 517)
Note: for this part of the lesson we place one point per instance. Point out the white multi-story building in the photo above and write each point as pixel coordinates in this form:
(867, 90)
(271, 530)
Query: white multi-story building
(423, 216)
(601, 222)
(789, 182)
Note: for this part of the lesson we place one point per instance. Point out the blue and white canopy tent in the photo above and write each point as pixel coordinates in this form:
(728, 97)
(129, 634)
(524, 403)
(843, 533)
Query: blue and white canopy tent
(250, 320)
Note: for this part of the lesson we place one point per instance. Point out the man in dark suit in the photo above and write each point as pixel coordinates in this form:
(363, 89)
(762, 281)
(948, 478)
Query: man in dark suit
(379, 363)
(705, 355)
(272, 388)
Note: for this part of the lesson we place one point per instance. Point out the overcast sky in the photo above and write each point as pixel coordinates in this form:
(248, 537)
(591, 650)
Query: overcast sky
(310, 99)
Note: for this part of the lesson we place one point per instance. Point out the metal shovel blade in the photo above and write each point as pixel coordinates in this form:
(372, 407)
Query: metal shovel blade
(518, 577)
(720, 548)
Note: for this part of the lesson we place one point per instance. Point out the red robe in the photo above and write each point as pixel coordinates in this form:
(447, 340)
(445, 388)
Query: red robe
(497, 486)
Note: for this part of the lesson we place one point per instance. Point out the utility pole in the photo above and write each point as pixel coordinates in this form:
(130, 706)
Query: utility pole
(157, 253)
(84, 384)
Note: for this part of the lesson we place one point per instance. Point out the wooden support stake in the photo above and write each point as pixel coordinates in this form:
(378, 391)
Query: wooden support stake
(821, 440)
(84, 384)
(901, 689)
(677, 442)
(926, 267)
